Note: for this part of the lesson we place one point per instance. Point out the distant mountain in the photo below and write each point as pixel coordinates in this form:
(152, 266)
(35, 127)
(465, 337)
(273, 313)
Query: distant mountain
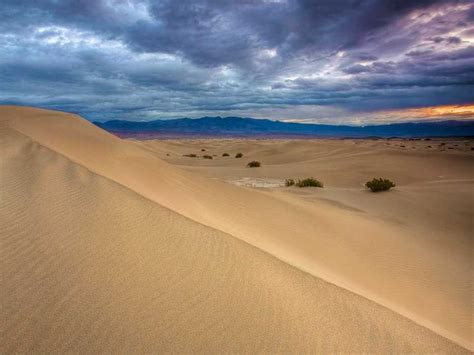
(250, 127)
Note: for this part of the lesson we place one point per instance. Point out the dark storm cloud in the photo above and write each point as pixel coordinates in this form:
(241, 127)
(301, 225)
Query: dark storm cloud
(145, 59)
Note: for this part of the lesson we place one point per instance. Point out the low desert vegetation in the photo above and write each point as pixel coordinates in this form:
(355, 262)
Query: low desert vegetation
(203, 150)
(225, 155)
(254, 164)
(309, 182)
(380, 184)
(289, 182)
(239, 155)
(207, 156)
(190, 155)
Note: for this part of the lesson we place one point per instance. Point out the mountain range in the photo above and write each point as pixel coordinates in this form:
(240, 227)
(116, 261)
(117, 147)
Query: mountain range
(250, 127)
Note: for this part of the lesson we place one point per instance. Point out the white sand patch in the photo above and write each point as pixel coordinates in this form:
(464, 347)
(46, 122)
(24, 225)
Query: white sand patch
(257, 182)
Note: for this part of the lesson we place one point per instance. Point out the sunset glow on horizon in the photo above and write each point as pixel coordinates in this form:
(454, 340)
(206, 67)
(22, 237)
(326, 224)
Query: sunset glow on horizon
(431, 113)
(461, 111)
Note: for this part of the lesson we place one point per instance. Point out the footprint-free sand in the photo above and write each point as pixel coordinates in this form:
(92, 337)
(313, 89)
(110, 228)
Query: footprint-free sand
(112, 245)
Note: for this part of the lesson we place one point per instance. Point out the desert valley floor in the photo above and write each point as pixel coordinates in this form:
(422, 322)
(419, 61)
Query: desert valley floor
(113, 245)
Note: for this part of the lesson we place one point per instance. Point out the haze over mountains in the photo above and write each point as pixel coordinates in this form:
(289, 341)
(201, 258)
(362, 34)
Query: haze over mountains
(242, 127)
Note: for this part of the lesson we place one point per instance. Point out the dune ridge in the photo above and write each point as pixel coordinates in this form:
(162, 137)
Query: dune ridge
(236, 211)
(103, 270)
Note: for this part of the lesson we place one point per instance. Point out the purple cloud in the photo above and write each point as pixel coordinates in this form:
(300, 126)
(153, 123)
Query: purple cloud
(145, 59)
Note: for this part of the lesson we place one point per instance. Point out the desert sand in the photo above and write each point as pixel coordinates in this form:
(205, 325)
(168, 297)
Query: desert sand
(120, 245)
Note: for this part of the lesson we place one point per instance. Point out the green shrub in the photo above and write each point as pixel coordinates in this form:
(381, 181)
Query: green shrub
(239, 155)
(289, 182)
(254, 164)
(376, 185)
(225, 154)
(190, 155)
(309, 182)
(207, 156)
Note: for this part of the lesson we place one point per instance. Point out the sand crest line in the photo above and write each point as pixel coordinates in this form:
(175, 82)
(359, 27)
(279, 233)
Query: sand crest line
(229, 235)
(364, 294)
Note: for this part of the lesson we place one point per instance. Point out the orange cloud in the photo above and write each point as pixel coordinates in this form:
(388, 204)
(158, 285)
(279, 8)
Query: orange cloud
(460, 111)
(434, 113)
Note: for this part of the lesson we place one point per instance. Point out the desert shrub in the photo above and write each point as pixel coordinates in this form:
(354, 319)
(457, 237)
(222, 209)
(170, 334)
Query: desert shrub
(203, 150)
(254, 164)
(190, 155)
(225, 154)
(289, 182)
(309, 182)
(376, 185)
(207, 156)
(239, 155)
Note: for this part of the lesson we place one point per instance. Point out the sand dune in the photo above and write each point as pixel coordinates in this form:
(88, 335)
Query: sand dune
(105, 247)
(429, 216)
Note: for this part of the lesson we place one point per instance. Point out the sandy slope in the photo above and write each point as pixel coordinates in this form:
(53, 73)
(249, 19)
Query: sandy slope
(115, 289)
(429, 213)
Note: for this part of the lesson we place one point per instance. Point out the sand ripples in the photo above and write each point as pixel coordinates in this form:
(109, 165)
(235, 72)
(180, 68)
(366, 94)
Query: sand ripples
(90, 266)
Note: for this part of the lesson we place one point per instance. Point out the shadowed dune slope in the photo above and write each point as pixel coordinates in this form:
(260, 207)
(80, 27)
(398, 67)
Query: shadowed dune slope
(103, 258)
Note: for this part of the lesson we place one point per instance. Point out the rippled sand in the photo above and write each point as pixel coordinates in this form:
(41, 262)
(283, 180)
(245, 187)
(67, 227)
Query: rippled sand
(107, 248)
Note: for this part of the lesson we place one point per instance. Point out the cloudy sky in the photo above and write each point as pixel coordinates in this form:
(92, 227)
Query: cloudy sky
(338, 61)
